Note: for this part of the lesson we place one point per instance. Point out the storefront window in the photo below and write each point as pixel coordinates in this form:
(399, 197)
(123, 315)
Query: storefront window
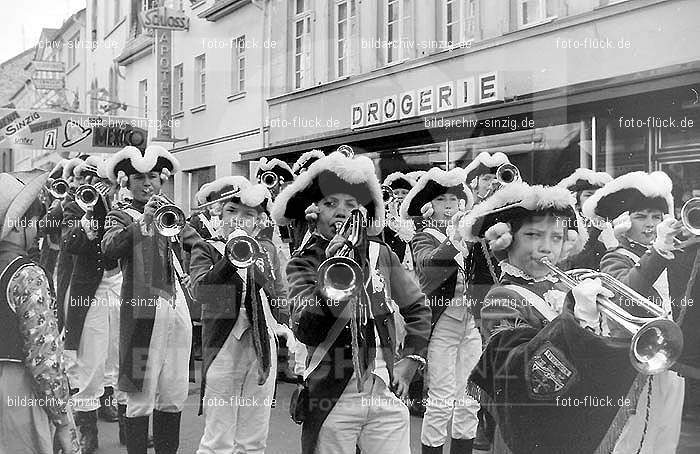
(622, 147)
(197, 178)
(686, 181)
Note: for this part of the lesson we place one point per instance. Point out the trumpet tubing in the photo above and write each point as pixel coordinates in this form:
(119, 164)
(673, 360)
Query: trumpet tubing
(169, 220)
(657, 341)
(340, 277)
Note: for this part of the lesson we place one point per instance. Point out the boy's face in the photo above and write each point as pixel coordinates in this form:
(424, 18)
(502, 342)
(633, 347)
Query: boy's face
(144, 185)
(644, 224)
(585, 195)
(334, 208)
(444, 207)
(543, 236)
(483, 184)
(215, 209)
(237, 215)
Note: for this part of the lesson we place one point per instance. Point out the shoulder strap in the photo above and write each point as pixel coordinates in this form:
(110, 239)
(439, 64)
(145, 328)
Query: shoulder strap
(207, 223)
(218, 245)
(323, 347)
(373, 254)
(435, 233)
(135, 215)
(535, 301)
(630, 254)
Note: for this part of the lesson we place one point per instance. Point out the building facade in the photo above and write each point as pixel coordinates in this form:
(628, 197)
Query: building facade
(556, 84)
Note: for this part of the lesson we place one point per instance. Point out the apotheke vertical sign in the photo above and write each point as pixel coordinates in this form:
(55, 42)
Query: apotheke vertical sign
(164, 59)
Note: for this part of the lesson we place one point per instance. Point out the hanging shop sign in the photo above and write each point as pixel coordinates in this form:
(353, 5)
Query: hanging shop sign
(165, 18)
(470, 91)
(70, 132)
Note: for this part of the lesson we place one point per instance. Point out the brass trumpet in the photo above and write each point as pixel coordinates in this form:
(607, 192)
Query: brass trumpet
(507, 174)
(224, 197)
(387, 194)
(87, 195)
(242, 251)
(346, 150)
(340, 277)
(59, 188)
(269, 179)
(690, 215)
(657, 341)
(169, 220)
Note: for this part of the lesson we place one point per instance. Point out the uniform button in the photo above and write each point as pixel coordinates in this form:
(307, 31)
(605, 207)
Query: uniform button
(386, 321)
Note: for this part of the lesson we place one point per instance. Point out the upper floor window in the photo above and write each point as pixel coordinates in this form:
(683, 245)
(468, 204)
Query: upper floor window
(238, 65)
(345, 30)
(178, 88)
(143, 98)
(398, 29)
(534, 11)
(302, 43)
(72, 46)
(200, 73)
(460, 21)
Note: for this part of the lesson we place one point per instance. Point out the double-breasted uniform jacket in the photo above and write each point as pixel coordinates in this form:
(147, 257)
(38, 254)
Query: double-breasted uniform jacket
(220, 288)
(312, 320)
(437, 270)
(147, 274)
(640, 276)
(88, 270)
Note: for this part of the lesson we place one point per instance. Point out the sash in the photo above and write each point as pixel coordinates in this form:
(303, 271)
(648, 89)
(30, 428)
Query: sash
(207, 224)
(535, 301)
(441, 237)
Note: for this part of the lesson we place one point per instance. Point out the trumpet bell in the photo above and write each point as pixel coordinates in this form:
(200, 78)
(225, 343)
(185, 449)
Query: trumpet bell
(387, 194)
(656, 346)
(690, 215)
(346, 150)
(340, 278)
(507, 174)
(269, 179)
(242, 251)
(59, 188)
(169, 220)
(86, 196)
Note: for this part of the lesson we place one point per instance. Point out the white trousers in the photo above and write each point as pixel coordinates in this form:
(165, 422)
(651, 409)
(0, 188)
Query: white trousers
(453, 351)
(375, 420)
(166, 378)
(86, 371)
(112, 362)
(236, 408)
(665, 416)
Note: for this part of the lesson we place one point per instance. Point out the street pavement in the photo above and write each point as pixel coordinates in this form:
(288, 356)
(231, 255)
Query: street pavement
(284, 436)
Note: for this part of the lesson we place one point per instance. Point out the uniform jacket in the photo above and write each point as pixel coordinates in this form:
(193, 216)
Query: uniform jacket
(312, 320)
(50, 231)
(148, 274)
(88, 269)
(220, 288)
(591, 255)
(640, 277)
(436, 269)
(64, 265)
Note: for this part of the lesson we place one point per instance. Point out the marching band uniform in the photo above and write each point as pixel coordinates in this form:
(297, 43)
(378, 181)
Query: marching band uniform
(398, 232)
(455, 342)
(299, 228)
(51, 231)
(31, 350)
(657, 423)
(239, 333)
(338, 418)
(586, 180)
(155, 327)
(545, 342)
(92, 321)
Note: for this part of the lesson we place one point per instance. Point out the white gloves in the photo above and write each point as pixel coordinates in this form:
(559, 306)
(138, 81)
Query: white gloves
(585, 294)
(666, 231)
(607, 236)
(453, 232)
(499, 236)
(89, 226)
(312, 213)
(622, 224)
(427, 210)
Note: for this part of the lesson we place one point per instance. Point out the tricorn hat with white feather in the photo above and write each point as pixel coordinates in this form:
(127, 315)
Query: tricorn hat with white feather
(277, 166)
(435, 182)
(585, 179)
(485, 163)
(398, 180)
(631, 192)
(130, 160)
(235, 188)
(333, 174)
(518, 201)
(305, 160)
